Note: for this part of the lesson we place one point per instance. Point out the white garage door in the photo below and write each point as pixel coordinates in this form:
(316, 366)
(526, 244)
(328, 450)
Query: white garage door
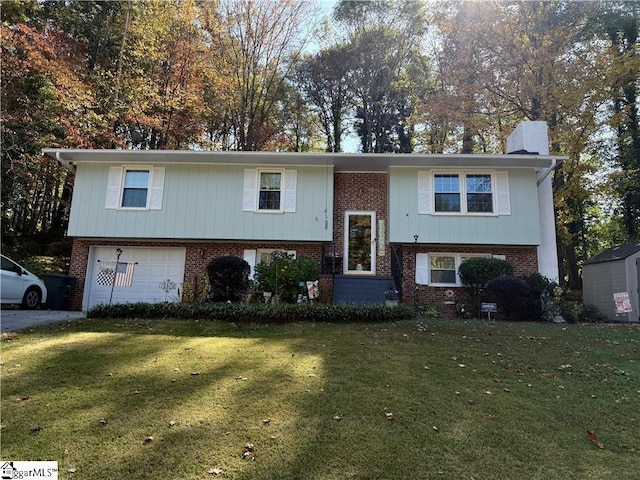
(151, 270)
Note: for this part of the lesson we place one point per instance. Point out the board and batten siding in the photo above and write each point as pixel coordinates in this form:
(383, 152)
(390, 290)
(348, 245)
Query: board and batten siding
(203, 202)
(519, 227)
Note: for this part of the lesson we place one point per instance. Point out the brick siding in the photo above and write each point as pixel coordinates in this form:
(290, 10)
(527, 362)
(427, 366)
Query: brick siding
(198, 255)
(523, 259)
(366, 192)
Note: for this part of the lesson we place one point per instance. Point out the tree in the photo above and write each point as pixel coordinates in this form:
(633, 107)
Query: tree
(621, 24)
(383, 35)
(259, 42)
(325, 80)
(46, 103)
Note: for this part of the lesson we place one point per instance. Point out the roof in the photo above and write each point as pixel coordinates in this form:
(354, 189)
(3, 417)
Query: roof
(615, 253)
(346, 162)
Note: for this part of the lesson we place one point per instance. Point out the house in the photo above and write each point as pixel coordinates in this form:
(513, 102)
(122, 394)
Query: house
(370, 221)
(611, 282)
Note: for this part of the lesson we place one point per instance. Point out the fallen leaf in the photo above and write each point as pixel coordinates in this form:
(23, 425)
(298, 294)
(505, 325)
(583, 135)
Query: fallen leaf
(249, 453)
(147, 440)
(591, 436)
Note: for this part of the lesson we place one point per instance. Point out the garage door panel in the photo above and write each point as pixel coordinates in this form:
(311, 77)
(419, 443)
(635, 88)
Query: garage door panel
(153, 266)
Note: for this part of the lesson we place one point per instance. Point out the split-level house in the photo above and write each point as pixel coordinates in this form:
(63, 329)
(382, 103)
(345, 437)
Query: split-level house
(372, 222)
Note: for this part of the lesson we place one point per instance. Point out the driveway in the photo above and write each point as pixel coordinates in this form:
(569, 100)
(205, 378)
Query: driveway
(12, 320)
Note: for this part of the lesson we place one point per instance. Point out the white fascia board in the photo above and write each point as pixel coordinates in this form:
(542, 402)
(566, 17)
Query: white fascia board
(341, 162)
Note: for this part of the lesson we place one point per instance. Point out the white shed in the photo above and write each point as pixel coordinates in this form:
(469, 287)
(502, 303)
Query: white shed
(614, 271)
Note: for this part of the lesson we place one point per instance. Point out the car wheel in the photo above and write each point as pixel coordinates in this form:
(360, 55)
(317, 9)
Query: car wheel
(32, 298)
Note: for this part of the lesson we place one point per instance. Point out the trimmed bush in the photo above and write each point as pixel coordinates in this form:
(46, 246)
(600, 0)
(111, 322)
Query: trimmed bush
(228, 279)
(476, 272)
(513, 297)
(255, 313)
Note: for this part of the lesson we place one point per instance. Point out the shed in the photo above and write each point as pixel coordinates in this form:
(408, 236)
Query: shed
(615, 270)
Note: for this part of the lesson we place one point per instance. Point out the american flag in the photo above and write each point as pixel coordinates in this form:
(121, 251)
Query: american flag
(124, 274)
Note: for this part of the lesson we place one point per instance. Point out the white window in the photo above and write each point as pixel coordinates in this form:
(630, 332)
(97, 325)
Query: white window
(441, 269)
(254, 257)
(137, 188)
(269, 191)
(465, 193)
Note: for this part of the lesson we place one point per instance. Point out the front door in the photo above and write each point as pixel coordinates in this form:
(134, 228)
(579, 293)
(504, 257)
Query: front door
(359, 243)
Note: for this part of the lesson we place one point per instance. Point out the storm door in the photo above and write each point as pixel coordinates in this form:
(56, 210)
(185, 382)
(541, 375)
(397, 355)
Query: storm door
(360, 243)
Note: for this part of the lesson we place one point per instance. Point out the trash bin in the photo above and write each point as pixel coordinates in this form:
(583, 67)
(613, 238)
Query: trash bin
(58, 290)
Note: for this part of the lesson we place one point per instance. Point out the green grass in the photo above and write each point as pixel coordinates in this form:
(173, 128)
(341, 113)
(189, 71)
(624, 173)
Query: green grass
(470, 400)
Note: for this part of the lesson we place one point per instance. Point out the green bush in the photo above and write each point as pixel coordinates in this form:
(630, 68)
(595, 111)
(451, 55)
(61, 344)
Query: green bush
(542, 303)
(475, 273)
(254, 312)
(284, 275)
(512, 296)
(228, 279)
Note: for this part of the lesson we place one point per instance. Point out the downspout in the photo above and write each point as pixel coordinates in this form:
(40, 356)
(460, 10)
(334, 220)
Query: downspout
(65, 164)
(545, 174)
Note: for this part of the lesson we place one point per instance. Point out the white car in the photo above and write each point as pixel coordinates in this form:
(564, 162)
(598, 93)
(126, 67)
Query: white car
(20, 286)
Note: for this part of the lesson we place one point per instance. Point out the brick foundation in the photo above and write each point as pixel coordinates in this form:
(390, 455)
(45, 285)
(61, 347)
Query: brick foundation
(198, 255)
(523, 259)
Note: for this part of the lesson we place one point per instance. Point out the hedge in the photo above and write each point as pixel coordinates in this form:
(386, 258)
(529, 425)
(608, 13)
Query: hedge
(255, 313)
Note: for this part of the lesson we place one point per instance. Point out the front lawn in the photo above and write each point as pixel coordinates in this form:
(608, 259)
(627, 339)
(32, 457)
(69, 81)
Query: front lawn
(420, 399)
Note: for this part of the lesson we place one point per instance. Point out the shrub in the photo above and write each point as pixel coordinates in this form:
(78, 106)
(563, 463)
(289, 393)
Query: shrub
(542, 301)
(284, 274)
(475, 273)
(512, 296)
(228, 279)
(255, 313)
(195, 289)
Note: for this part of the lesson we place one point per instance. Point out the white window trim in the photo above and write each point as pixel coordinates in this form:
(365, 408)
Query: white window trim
(423, 275)
(282, 173)
(251, 190)
(115, 187)
(462, 175)
(252, 257)
(499, 191)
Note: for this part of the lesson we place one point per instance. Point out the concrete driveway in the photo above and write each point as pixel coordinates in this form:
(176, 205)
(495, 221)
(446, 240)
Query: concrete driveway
(12, 320)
